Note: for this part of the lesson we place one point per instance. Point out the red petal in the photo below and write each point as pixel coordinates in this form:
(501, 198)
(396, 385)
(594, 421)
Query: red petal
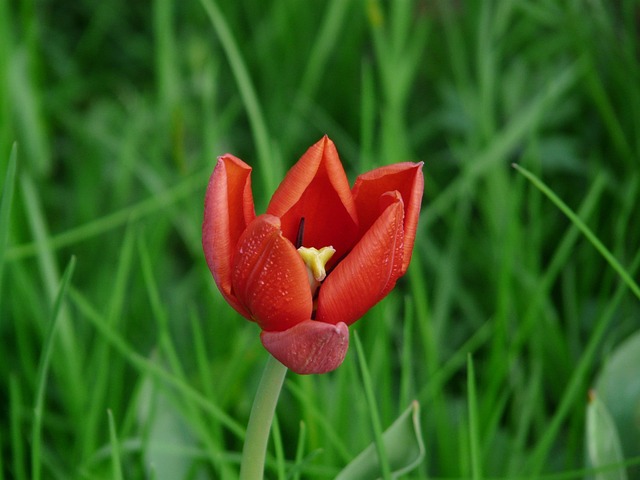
(269, 277)
(309, 347)
(228, 209)
(317, 189)
(407, 179)
(369, 272)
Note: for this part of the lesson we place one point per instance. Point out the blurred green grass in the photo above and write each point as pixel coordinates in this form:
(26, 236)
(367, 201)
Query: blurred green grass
(119, 110)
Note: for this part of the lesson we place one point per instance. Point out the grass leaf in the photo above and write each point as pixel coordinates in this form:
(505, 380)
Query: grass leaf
(474, 421)
(603, 442)
(43, 370)
(116, 464)
(382, 462)
(403, 443)
(5, 206)
(586, 231)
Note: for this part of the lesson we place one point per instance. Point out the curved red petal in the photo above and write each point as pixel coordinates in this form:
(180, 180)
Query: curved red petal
(317, 189)
(370, 270)
(269, 277)
(228, 209)
(309, 347)
(407, 179)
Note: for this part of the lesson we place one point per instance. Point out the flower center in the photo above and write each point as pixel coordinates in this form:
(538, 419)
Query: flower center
(315, 261)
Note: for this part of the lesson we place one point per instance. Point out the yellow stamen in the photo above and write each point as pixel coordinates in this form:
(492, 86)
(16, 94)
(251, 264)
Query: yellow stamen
(316, 260)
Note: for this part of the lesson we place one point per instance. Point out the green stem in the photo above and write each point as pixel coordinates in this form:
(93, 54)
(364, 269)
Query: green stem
(264, 406)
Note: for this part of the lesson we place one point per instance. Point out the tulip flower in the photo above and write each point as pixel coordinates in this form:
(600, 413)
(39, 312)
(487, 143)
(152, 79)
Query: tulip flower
(320, 257)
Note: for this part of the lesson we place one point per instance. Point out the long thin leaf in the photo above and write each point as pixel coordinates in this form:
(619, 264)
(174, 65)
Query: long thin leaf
(116, 464)
(404, 446)
(618, 387)
(146, 366)
(603, 441)
(579, 376)
(383, 460)
(564, 208)
(270, 170)
(43, 369)
(15, 419)
(503, 142)
(152, 205)
(302, 436)
(5, 205)
(69, 358)
(474, 434)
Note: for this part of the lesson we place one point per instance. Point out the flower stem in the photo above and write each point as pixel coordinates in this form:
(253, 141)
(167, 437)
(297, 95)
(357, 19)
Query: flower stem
(264, 406)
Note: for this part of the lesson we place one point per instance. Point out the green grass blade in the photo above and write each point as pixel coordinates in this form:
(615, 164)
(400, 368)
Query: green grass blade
(404, 445)
(368, 118)
(330, 430)
(116, 464)
(169, 352)
(15, 422)
(586, 231)
(43, 370)
(152, 205)
(278, 447)
(302, 436)
(168, 85)
(159, 313)
(603, 441)
(509, 311)
(148, 367)
(101, 356)
(1, 460)
(5, 206)
(407, 380)
(474, 421)
(270, 170)
(372, 406)
(40, 231)
(617, 386)
(324, 46)
(504, 142)
(575, 385)
(454, 363)
(29, 118)
(7, 23)
(69, 358)
(560, 257)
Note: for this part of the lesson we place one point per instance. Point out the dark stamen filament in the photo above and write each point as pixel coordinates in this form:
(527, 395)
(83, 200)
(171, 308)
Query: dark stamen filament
(300, 233)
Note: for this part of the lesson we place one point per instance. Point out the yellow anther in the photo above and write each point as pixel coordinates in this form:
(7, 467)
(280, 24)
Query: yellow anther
(316, 260)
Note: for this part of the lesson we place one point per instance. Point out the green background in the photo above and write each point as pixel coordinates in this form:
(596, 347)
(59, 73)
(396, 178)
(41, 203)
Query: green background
(119, 110)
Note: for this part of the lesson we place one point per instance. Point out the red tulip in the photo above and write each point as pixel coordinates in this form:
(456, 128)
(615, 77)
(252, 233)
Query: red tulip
(303, 300)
